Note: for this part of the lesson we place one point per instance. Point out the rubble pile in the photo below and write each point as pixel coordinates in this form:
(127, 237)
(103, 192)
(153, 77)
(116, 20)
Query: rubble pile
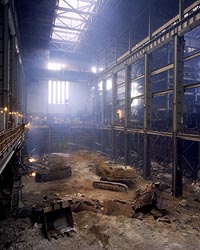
(196, 186)
(146, 216)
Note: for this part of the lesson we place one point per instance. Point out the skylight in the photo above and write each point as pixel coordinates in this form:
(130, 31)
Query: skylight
(71, 20)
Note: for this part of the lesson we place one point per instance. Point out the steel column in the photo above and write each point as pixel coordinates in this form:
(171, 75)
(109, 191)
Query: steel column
(114, 115)
(1, 53)
(6, 65)
(127, 112)
(147, 116)
(12, 74)
(103, 102)
(177, 114)
(127, 148)
(181, 9)
(113, 144)
(114, 99)
(128, 96)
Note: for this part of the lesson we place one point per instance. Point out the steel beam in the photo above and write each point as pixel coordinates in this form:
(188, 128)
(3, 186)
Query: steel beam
(1, 53)
(65, 28)
(177, 114)
(113, 144)
(126, 148)
(127, 113)
(6, 65)
(128, 96)
(147, 116)
(103, 102)
(114, 115)
(79, 12)
(114, 99)
(181, 9)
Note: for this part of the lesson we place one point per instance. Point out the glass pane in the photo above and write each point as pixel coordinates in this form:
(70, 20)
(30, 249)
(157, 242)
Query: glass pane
(163, 81)
(162, 112)
(192, 70)
(163, 56)
(191, 105)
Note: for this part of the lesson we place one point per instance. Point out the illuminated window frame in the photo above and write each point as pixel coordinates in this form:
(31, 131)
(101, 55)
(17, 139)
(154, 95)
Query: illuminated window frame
(58, 92)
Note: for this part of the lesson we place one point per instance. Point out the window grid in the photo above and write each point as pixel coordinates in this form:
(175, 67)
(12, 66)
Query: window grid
(58, 92)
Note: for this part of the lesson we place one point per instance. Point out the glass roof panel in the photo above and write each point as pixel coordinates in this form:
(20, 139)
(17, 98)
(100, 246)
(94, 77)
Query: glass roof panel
(71, 19)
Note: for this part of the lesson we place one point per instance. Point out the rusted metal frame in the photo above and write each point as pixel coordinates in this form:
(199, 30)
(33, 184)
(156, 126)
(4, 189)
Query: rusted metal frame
(147, 116)
(177, 115)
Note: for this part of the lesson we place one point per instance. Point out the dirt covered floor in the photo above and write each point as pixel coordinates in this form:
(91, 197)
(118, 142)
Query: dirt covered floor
(95, 230)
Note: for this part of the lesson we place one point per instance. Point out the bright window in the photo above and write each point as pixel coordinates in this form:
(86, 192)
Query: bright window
(58, 92)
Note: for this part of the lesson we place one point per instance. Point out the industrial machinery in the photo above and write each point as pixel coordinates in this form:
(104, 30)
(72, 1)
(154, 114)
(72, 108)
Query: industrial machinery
(114, 186)
(116, 173)
(55, 217)
(114, 177)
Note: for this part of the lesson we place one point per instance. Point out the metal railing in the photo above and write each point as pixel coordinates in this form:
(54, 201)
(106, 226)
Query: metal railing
(9, 137)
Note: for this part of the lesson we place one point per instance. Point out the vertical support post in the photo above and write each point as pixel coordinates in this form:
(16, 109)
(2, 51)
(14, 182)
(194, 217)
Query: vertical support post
(149, 27)
(114, 115)
(177, 114)
(113, 146)
(49, 141)
(127, 148)
(114, 99)
(6, 65)
(102, 140)
(181, 9)
(103, 102)
(128, 96)
(130, 37)
(147, 116)
(198, 159)
(127, 112)
(2, 120)
(12, 78)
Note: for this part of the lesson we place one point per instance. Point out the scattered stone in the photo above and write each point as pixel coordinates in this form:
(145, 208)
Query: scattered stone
(80, 205)
(164, 219)
(139, 216)
(156, 213)
(196, 186)
(183, 203)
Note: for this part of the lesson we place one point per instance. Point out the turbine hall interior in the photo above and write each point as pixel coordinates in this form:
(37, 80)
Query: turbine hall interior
(100, 124)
